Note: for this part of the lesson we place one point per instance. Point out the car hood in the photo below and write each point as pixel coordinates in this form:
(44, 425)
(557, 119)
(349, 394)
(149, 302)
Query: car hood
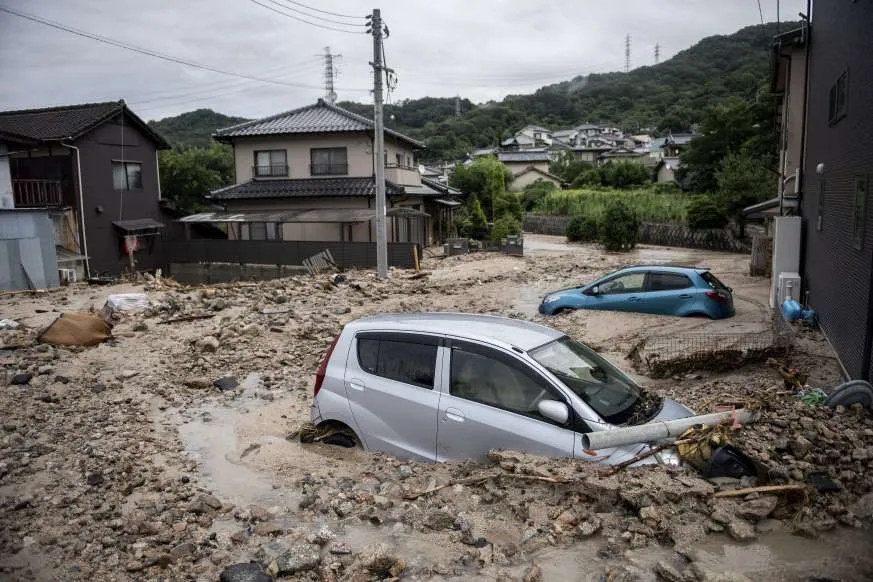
(576, 288)
(671, 410)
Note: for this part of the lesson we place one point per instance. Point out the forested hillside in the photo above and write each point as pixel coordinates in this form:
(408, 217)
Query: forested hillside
(193, 128)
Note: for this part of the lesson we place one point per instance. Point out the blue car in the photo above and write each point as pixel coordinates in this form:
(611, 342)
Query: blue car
(649, 289)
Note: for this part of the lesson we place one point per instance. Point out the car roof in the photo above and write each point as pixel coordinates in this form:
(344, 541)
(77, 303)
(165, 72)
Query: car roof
(492, 329)
(663, 268)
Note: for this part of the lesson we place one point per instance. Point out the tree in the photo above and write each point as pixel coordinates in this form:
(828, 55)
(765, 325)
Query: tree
(535, 192)
(743, 179)
(486, 178)
(188, 174)
(582, 229)
(567, 168)
(619, 227)
(624, 174)
(705, 211)
(504, 227)
(477, 223)
(508, 204)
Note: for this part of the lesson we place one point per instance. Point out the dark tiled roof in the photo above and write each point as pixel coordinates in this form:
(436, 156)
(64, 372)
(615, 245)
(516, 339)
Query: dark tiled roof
(304, 188)
(523, 156)
(322, 117)
(68, 122)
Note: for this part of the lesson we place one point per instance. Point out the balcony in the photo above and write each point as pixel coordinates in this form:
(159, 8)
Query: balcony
(329, 169)
(402, 174)
(271, 171)
(37, 193)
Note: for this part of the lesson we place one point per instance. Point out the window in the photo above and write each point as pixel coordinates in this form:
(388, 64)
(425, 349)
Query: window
(859, 213)
(838, 99)
(713, 281)
(668, 281)
(630, 283)
(408, 162)
(399, 158)
(271, 163)
(329, 161)
(127, 175)
(401, 360)
(258, 231)
(819, 221)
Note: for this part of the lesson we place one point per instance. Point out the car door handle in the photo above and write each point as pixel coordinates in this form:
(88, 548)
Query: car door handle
(634, 298)
(685, 296)
(357, 384)
(453, 414)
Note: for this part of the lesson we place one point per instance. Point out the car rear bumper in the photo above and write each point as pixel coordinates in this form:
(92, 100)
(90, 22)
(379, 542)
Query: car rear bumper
(314, 414)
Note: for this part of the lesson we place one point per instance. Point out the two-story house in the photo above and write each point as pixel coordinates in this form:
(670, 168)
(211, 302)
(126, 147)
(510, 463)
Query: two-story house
(95, 167)
(308, 175)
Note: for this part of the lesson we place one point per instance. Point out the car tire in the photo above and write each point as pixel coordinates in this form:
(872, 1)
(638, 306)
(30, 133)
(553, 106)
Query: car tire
(853, 392)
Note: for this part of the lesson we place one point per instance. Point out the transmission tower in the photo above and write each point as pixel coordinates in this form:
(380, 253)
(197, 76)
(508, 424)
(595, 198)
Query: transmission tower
(457, 105)
(330, 74)
(657, 53)
(627, 42)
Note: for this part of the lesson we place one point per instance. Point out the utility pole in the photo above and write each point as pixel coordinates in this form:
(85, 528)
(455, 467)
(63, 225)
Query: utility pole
(657, 53)
(329, 75)
(379, 147)
(627, 54)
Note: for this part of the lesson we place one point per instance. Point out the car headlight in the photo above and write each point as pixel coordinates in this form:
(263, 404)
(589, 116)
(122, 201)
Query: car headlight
(550, 298)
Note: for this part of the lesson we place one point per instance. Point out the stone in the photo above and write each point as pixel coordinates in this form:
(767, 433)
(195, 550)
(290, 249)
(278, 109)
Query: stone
(766, 526)
(95, 478)
(650, 513)
(622, 573)
(533, 574)
(799, 447)
(208, 344)
(227, 383)
(758, 509)
(380, 561)
(667, 572)
(204, 504)
(340, 549)
(299, 558)
(741, 530)
(267, 528)
(438, 519)
(199, 382)
(98, 388)
(250, 572)
(720, 516)
(259, 513)
(863, 508)
(182, 550)
(21, 379)
(590, 527)
(141, 326)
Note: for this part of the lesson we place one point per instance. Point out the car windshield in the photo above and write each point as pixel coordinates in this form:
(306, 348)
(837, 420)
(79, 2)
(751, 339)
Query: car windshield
(597, 382)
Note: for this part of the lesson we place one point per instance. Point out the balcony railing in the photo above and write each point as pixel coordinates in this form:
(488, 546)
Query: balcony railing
(271, 171)
(37, 193)
(329, 169)
(400, 167)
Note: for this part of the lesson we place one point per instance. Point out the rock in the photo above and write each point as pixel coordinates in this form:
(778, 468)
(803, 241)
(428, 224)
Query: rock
(378, 560)
(95, 478)
(141, 326)
(863, 508)
(267, 528)
(799, 447)
(405, 471)
(251, 330)
(758, 509)
(182, 550)
(98, 388)
(622, 573)
(650, 512)
(250, 572)
(21, 379)
(533, 574)
(204, 504)
(258, 513)
(720, 516)
(740, 530)
(590, 527)
(199, 382)
(300, 558)
(62, 379)
(208, 344)
(766, 526)
(667, 572)
(227, 383)
(437, 519)
(340, 549)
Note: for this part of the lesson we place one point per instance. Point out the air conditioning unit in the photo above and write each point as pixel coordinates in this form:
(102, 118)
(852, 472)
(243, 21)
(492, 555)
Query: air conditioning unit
(7, 201)
(788, 287)
(67, 276)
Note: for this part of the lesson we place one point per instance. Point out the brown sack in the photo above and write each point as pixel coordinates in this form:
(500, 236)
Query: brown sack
(76, 329)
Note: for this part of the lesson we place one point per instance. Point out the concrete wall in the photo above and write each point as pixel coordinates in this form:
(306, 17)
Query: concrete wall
(5, 176)
(27, 250)
(791, 144)
(516, 167)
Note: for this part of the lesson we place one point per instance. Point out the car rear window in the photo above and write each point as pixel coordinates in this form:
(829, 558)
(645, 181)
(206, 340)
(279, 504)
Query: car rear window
(403, 361)
(712, 280)
(668, 281)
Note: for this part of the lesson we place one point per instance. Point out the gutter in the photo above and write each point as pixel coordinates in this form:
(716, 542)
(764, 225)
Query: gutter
(81, 206)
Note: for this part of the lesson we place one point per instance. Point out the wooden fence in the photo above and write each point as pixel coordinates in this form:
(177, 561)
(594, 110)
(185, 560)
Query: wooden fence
(653, 233)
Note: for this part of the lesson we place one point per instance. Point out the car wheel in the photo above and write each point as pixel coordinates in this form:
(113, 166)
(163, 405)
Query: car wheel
(853, 392)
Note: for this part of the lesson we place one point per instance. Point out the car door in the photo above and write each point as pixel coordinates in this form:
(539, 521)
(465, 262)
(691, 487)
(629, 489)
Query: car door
(622, 292)
(390, 379)
(669, 293)
(489, 401)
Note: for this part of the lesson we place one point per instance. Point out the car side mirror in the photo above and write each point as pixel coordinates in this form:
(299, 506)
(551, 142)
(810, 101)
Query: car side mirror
(554, 410)
(595, 290)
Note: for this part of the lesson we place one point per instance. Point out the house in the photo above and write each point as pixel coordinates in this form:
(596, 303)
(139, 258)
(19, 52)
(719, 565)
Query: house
(665, 170)
(308, 175)
(824, 227)
(529, 175)
(518, 161)
(95, 168)
(590, 153)
(623, 153)
(565, 136)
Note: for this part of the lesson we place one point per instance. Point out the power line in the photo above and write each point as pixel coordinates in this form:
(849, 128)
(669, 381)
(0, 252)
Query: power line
(297, 18)
(330, 74)
(761, 11)
(627, 53)
(147, 52)
(361, 19)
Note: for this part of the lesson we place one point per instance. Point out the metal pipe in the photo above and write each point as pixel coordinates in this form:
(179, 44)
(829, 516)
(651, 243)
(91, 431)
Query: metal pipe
(654, 431)
(81, 208)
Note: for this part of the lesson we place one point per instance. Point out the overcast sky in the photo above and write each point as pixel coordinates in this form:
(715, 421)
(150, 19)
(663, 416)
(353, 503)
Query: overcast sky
(479, 49)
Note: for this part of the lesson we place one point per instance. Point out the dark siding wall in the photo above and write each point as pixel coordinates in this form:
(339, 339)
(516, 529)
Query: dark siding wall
(99, 148)
(837, 275)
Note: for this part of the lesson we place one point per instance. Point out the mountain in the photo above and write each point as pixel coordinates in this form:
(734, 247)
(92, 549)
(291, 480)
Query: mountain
(672, 95)
(194, 128)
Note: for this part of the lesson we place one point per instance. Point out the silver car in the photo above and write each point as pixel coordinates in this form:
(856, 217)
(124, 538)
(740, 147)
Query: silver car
(438, 386)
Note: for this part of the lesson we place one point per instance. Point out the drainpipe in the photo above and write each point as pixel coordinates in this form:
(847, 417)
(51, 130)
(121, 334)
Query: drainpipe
(81, 207)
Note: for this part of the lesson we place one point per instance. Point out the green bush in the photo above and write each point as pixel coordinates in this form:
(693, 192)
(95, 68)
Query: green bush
(666, 188)
(478, 224)
(508, 204)
(646, 203)
(582, 229)
(706, 212)
(535, 192)
(587, 178)
(619, 227)
(505, 226)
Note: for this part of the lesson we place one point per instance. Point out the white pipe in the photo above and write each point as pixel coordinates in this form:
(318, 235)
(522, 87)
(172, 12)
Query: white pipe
(81, 208)
(653, 431)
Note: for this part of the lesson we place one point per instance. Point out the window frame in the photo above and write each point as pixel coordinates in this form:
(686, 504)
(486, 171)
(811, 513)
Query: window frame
(271, 173)
(411, 338)
(618, 276)
(820, 205)
(859, 223)
(332, 168)
(651, 275)
(838, 99)
(124, 165)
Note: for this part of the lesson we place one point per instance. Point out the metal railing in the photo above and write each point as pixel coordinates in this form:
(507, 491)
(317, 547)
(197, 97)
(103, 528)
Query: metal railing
(400, 166)
(37, 193)
(329, 169)
(271, 171)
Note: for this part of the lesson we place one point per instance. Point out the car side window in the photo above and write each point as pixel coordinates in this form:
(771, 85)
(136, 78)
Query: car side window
(629, 283)
(495, 381)
(668, 281)
(403, 361)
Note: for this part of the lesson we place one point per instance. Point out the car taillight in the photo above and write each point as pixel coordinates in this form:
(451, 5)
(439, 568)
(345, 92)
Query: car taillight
(716, 296)
(322, 368)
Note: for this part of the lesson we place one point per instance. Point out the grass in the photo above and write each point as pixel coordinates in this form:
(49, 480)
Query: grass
(648, 204)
